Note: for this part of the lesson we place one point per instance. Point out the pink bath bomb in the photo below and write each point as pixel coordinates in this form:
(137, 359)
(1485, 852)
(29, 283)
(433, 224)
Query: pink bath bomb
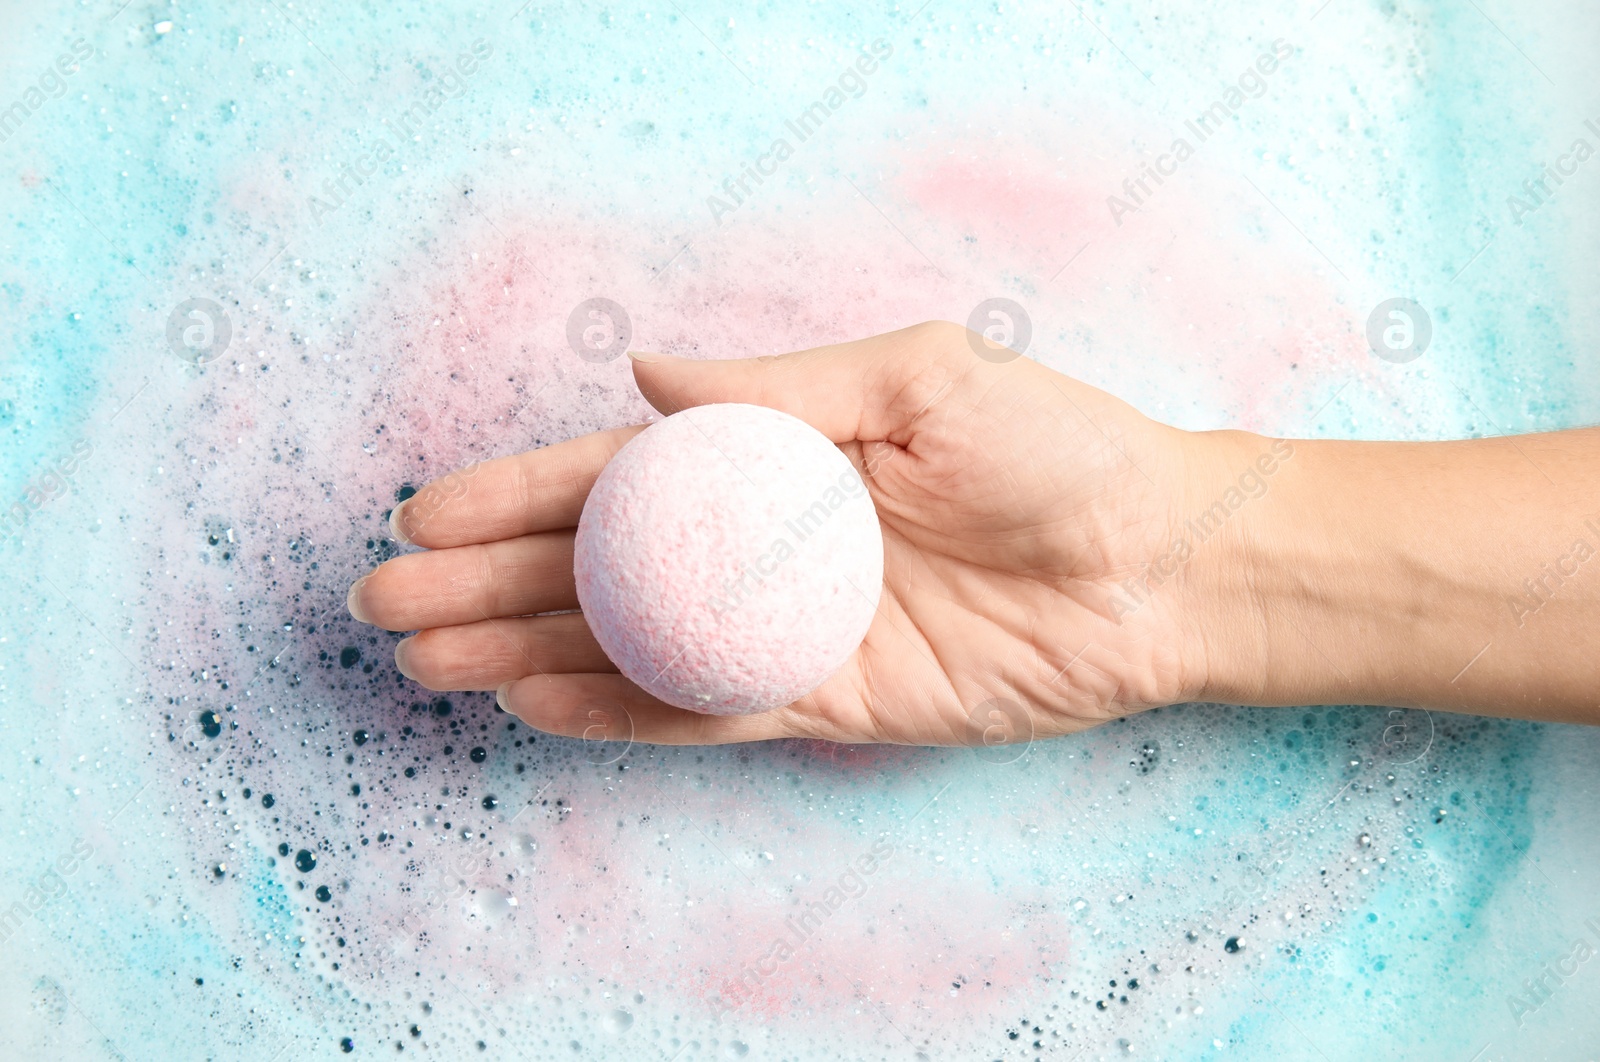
(729, 559)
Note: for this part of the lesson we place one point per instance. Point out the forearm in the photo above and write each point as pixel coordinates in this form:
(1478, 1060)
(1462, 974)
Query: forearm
(1459, 575)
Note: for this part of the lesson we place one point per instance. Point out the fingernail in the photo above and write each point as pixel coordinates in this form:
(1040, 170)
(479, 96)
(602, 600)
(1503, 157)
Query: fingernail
(649, 357)
(500, 696)
(394, 524)
(400, 658)
(352, 600)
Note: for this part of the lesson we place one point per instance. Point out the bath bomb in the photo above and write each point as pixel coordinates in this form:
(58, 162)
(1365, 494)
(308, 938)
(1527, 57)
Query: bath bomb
(729, 559)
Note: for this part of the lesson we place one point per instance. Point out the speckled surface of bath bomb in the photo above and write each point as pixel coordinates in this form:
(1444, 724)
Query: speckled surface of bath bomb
(729, 559)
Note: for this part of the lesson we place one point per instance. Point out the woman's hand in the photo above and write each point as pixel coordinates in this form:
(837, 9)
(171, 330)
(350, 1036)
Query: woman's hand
(1021, 511)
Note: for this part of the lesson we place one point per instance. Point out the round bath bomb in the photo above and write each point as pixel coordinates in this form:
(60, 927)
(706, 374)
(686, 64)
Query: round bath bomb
(729, 559)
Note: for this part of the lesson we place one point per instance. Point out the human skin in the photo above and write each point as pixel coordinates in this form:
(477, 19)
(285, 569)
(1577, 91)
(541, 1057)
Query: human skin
(1053, 559)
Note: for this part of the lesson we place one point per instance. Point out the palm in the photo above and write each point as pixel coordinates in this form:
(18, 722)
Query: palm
(1007, 524)
(1012, 499)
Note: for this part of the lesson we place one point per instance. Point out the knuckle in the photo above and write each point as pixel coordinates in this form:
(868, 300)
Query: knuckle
(937, 334)
(487, 576)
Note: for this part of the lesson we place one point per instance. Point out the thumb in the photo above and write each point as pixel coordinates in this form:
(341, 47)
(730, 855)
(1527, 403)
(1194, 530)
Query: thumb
(860, 390)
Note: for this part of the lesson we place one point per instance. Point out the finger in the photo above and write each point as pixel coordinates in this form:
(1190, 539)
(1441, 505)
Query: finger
(541, 490)
(870, 389)
(446, 587)
(610, 708)
(487, 654)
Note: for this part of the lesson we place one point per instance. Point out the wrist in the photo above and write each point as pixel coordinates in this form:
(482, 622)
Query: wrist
(1235, 517)
(1448, 574)
(1359, 576)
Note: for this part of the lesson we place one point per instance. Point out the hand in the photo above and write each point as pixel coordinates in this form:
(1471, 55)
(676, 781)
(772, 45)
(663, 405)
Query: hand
(1020, 510)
